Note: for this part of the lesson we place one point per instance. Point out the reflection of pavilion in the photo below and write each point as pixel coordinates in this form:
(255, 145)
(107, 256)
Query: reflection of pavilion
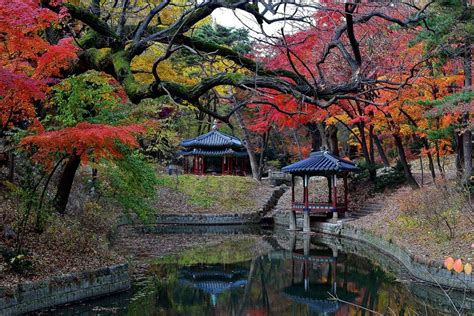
(212, 280)
(318, 294)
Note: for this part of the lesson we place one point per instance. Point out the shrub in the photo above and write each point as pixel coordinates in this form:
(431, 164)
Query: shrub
(18, 262)
(437, 208)
(391, 178)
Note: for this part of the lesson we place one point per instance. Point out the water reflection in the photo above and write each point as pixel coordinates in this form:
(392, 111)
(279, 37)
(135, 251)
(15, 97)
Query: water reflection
(320, 296)
(300, 276)
(212, 280)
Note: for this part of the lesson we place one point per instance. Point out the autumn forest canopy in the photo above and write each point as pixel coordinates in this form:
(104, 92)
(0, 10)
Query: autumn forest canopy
(108, 86)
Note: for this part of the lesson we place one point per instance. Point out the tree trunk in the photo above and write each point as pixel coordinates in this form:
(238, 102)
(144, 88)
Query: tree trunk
(365, 151)
(332, 138)
(248, 145)
(426, 145)
(11, 166)
(403, 159)
(438, 160)
(316, 138)
(467, 135)
(65, 183)
(459, 155)
(371, 143)
(322, 132)
(265, 138)
(467, 148)
(382, 154)
(295, 136)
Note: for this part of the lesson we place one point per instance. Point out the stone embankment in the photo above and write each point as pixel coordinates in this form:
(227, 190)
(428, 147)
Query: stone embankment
(63, 289)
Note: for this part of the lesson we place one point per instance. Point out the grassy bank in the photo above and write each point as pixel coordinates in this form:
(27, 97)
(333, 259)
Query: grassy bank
(209, 194)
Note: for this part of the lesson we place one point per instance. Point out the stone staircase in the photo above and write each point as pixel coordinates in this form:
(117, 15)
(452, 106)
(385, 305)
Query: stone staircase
(370, 207)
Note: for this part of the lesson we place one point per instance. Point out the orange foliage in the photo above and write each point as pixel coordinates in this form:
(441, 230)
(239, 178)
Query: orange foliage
(85, 139)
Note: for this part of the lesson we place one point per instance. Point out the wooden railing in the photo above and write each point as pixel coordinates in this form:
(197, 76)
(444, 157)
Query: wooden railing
(318, 207)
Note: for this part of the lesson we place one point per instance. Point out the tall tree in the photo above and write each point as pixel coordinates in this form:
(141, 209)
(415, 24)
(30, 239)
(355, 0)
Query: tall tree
(450, 34)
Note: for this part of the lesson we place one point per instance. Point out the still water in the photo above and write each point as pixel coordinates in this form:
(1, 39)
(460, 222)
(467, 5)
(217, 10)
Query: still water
(275, 274)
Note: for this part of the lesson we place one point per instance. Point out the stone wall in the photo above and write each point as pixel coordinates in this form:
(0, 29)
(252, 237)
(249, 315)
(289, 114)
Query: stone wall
(63, 289)
(208, 219)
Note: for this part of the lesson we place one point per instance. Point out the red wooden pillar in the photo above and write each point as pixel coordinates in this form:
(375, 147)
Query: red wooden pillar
(222, 164)
(194, 165)
(345, 192)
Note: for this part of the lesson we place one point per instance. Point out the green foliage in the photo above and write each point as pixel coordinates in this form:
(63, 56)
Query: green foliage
(236, 38)
(390, 179)
(449, 23)
(161, 139)
(17, 262)
(450, 101)
(387, 177)
(90, 97)
(365, 169)
(228, 192)
(130, 181)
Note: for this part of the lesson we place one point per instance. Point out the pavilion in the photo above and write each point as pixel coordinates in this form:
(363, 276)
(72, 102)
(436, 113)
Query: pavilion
(213, 279)
(318, 295)
(320, 163)
(214, 153)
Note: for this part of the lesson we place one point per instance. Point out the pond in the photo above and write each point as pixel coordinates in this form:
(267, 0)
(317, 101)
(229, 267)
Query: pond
(273, 274)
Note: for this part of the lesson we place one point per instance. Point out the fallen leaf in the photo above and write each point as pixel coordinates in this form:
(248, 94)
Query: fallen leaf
(458, 266)
(449, 263)
(468, 268)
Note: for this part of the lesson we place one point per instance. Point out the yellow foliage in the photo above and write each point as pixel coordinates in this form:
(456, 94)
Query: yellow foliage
(468, 268)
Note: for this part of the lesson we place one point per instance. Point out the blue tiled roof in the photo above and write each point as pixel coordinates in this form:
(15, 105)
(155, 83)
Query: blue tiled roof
(213, 286)
(212, 139)
(321, 162)
(214, 153)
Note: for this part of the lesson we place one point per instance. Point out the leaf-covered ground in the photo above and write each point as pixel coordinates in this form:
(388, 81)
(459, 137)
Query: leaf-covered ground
(415, 234)
(76, 242)
(189, 194)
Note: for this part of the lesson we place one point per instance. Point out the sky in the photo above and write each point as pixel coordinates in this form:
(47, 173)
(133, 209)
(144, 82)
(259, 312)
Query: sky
(239, 18)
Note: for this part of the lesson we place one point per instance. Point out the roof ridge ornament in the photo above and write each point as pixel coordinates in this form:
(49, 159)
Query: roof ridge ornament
(214, 125)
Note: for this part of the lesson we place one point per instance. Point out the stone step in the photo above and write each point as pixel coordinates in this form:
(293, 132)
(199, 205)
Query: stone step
(369, 209)
(365, 212)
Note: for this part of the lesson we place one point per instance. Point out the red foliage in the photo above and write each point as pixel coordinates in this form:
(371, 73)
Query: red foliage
(17, 94)
(383, 49)
(28, 62)
(85, 139)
